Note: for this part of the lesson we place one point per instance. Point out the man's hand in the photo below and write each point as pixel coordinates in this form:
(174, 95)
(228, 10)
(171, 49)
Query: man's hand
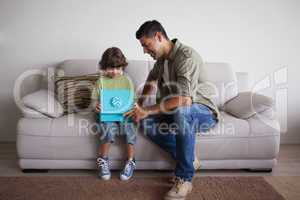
(137, 113)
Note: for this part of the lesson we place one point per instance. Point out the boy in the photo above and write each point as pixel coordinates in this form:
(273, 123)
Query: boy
(111, 66)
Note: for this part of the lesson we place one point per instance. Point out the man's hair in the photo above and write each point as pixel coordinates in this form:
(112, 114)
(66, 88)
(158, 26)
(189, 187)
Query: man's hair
(112, 58)
(149, 28)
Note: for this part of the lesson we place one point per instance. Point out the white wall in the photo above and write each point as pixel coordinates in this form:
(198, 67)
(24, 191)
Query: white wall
(254, 36)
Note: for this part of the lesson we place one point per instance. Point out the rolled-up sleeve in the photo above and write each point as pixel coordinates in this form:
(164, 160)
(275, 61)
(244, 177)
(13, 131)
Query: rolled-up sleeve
(184, 71)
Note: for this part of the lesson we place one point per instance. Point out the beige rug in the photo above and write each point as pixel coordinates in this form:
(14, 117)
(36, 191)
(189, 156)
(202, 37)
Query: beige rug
(91, 188)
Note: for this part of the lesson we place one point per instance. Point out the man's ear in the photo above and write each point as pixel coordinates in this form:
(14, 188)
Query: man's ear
(159, 36)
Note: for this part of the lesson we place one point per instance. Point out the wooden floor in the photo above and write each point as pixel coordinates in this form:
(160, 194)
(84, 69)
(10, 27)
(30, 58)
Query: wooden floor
(285, 176)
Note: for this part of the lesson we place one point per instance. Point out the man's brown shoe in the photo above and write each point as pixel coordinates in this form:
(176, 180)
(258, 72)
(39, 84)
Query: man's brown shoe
(179, 190)
(196, 164)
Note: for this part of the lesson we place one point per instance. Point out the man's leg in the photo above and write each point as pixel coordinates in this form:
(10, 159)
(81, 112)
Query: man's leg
(185, 143)
(156, 128)
(189, 120)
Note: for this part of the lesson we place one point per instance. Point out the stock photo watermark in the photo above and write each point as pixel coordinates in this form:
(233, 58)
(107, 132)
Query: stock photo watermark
(274, 85)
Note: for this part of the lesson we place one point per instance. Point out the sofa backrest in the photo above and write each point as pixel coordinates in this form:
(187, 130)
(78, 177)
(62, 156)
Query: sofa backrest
(137, 69)
(223, 81)
(220, 76)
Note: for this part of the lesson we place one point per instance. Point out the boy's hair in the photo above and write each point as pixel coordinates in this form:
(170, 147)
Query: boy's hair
(149, 28)
(112, 58)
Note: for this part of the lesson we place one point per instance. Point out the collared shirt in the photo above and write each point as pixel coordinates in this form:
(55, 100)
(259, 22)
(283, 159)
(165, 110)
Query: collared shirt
(186, 76)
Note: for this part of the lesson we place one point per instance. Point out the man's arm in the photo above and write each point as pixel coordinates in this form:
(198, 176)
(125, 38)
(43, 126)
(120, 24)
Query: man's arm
(150, 85)
(169, 104)
(148, 88)
(139, 113)
(183, 98)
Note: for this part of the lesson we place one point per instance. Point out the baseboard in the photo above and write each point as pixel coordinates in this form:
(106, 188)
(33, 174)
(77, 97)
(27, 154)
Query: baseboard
(7, 141)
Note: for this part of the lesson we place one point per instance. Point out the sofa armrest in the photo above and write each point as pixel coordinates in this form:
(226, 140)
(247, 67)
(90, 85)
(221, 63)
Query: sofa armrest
(29, 82)
(248, 104)
(31, 113)
(44, 102)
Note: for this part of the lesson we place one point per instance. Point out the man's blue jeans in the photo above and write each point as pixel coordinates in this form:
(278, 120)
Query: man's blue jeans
(175, 132)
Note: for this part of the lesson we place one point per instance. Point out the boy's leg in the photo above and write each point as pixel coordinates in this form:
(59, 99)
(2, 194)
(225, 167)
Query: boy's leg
(129, 130)
(103, 150)
(130, 151)
(107, 133)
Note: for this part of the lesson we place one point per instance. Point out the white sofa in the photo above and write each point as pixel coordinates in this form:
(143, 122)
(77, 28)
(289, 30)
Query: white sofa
(45, 142)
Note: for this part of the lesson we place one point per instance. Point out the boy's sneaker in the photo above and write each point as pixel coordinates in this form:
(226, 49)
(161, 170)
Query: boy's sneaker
(127, 172)
(103, 167)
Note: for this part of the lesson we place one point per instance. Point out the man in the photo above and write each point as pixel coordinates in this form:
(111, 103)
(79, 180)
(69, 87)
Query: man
(182, 102)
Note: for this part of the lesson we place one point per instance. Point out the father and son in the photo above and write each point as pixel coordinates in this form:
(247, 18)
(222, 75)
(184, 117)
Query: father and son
(181, 100)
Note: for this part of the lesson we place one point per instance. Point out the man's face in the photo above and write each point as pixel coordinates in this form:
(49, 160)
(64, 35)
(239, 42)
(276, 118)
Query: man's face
(152, 46)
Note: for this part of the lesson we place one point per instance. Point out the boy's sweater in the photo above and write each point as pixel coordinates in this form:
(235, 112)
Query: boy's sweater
(120, 82)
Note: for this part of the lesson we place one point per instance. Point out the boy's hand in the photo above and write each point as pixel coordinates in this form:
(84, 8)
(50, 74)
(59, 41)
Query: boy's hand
(98, 107)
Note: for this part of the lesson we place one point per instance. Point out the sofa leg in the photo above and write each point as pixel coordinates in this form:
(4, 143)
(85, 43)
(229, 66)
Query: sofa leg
(35, 170)
(268, 170)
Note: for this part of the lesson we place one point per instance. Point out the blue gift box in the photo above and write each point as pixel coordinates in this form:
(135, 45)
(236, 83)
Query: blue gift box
(114, 103)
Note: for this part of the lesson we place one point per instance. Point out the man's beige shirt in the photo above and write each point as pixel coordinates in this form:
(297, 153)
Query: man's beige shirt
(185, 74)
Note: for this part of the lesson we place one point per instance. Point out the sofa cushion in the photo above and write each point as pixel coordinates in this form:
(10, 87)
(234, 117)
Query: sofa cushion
(247, 104)
(264, 124)
(228, 126)
(43, 101)
(72, 125)
(75, 125)
(35, 127)
(74, 92)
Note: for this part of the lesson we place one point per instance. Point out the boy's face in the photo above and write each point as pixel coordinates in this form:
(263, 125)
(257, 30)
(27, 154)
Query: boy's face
(113, 72)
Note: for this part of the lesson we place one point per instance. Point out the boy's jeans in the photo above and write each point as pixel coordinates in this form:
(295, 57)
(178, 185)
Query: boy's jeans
(175, 132)
(109, 131)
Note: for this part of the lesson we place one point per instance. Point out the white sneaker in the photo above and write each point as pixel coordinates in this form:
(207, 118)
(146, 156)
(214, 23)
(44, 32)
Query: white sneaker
(197, 166)
(127, 172)
(179, 190)
(103, 167)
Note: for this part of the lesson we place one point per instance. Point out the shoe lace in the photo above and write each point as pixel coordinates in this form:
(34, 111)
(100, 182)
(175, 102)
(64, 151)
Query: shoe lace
(128, 167)
(103, 164)
(178, 183)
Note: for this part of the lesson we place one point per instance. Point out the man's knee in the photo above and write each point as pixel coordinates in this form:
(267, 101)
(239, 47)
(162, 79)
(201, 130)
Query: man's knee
(182, 113)
(147, 126)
